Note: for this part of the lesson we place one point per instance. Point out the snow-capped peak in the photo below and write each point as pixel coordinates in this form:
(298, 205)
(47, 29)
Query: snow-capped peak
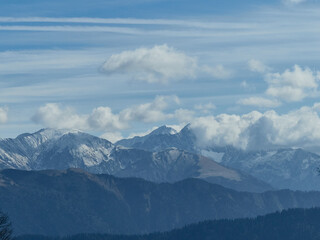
(163, 130)
(44, 135)
(49, 133)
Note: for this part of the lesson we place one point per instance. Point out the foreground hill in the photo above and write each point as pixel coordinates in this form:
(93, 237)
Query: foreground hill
(294, 224)
(63, 149)
(73, 201)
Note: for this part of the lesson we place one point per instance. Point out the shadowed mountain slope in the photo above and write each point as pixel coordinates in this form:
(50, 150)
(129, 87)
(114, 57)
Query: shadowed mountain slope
(73, 201)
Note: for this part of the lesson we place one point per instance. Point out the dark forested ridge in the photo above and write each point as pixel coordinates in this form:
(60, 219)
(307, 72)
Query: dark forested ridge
(60, 203)
(294, 224)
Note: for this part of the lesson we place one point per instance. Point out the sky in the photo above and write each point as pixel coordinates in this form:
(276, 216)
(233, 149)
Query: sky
(243, 73)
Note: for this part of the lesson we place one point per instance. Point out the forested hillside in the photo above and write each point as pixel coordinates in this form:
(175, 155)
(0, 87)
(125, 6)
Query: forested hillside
(294, 224)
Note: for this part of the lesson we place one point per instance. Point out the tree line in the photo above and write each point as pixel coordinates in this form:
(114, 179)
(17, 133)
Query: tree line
(294, 224)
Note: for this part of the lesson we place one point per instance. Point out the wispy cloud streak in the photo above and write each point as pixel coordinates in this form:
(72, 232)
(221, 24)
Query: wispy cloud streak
(130, 21)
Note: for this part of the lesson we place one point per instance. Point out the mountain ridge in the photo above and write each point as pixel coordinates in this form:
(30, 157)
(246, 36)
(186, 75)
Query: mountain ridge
(281, 167)
(62, 149)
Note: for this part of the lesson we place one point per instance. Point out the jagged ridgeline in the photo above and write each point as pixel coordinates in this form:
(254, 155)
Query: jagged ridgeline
(295, 224)
(63, 149)
(164, 155)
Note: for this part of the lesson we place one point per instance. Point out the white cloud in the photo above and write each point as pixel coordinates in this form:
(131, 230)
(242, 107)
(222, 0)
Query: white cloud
(223, 129)
(160, 64)
(122, 30)
(150, 112)
(293, 2)
(205, 108)
(3, 115)
(112, 136)
(184, 115)
(252, 131)
(35, 61)
(287, 93)
(293, 85)
(257, 66)
(259, 102)
(299, 128)
(244, 84)
(152, 65)
(126, 21)
(51, 115)
(218, 71)
(102, 118)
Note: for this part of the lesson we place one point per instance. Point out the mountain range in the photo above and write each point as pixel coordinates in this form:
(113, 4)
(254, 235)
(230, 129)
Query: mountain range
(164, 155)
(282, 168)
(66, 202)
(63, 149)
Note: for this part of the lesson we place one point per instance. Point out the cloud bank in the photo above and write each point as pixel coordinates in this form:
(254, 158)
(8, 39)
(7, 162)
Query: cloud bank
(257, 66)
(293, 85)
(252, 131)
(102, 118)
(257, 131)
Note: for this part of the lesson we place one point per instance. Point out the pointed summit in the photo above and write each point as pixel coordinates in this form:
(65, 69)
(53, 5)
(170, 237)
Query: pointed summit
(162, 139)
(44, 135)
(48, 133)
(187, 131)
(163, 130)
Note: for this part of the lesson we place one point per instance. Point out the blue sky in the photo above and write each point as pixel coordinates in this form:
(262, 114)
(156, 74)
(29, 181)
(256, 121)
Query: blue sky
(115, 68)
(127, 8)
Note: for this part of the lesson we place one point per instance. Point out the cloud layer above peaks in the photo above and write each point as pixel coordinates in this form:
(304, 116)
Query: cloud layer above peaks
(252, 131)
(258, 131)
(102, 118)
